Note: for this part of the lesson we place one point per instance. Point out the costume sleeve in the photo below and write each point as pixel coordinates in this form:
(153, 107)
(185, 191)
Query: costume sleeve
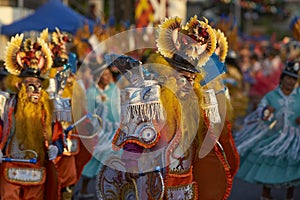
(265, 101)
(60, 146)
(58, 137)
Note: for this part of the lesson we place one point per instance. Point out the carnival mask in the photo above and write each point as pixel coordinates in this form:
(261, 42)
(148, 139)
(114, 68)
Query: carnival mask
(185, 82)
(33, 88)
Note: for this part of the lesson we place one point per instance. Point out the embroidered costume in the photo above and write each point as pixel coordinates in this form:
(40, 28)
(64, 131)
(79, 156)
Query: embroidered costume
(165, 115)
(28, 148)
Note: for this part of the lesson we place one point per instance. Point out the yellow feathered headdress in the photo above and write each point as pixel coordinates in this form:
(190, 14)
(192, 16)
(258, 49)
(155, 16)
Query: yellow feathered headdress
(187, 47)
(58, 48)
(29, 58)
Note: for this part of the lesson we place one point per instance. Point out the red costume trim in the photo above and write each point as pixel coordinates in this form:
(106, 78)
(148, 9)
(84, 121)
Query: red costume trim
(1, 129)
(187, 178)
(197, 189)
(115, 147)
(57, 131)
(146, 146)
(231, 141)
(223, 161)
(227, 172)
(174, 143)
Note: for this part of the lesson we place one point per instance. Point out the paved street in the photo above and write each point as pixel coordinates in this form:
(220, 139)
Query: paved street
(242, 190)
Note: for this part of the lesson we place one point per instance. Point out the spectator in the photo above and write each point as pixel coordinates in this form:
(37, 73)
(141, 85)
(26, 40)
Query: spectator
(269, 141)
(92, 14)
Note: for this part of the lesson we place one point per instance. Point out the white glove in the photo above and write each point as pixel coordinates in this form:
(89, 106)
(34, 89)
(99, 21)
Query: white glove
(52, 152)
(1, 155)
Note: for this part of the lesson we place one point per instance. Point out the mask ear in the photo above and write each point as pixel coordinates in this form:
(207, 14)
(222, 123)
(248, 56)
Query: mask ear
(18, 85)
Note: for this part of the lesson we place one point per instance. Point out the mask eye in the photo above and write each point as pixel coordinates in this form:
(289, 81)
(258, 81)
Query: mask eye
(39, 88)
(147, 132)
(182, 80)
(30, 88)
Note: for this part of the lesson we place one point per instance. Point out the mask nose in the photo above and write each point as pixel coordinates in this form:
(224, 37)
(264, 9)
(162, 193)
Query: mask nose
(36, 90)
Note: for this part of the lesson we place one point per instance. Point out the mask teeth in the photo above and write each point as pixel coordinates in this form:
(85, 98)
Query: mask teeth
(32, 99)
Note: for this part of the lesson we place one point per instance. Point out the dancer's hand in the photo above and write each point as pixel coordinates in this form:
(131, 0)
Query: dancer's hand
(268, 113)
(52, 152)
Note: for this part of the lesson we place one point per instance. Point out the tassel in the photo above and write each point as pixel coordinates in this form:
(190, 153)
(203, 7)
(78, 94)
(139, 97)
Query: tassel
(161, 112)
(143, 112)
(3, 97)
(127, 115)
(213, 114)
(210, 106)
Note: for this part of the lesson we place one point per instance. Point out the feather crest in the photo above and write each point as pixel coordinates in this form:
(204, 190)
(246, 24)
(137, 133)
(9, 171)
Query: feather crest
(10, 54)
(222, 44)
(31, 53)
(44, 35)
(47, 56)
(168, 36)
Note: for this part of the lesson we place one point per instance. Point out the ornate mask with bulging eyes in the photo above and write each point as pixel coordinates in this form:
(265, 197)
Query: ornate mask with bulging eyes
(33, 88)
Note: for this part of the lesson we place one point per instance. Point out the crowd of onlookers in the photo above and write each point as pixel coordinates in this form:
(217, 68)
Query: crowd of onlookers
(261, 71)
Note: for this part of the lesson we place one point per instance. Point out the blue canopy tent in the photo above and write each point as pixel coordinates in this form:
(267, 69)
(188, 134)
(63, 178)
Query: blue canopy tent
(50, 15)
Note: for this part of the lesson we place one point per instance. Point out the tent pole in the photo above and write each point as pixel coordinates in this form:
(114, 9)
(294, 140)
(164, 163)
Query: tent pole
(21, 6)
